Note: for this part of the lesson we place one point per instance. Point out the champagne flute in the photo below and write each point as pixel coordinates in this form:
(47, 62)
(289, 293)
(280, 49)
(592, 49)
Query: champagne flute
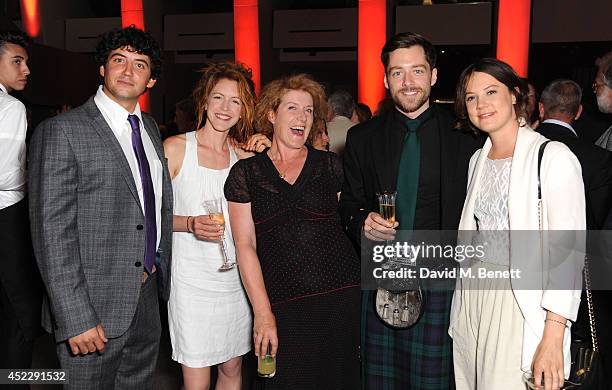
(386, 206)
(214, 208)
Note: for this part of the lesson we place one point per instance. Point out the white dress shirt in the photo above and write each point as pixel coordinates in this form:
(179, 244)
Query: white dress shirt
(117, 119)
(13, 126)
(561, 123)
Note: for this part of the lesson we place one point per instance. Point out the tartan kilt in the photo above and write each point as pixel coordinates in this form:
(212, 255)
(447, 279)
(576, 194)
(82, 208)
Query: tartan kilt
(419, 358)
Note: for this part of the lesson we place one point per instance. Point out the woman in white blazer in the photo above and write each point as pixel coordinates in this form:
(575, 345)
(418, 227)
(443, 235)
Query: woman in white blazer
(499, 330)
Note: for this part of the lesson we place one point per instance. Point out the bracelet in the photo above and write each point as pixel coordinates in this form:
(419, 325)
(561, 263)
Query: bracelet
(189, 230)
(558, 322)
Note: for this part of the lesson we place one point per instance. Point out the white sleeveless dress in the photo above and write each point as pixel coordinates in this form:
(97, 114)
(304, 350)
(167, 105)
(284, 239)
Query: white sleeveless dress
(208, 312)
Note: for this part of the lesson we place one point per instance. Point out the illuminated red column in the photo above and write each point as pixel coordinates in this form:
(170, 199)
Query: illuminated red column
(513, 23)
(246, 37)
(30, 16)
(132, 12)
(371, 39)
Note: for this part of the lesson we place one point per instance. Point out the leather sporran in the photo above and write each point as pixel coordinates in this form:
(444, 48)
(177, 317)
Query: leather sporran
(399, 309)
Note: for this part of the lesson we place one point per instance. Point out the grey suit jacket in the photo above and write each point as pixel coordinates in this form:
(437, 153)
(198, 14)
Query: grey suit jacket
(87, 223)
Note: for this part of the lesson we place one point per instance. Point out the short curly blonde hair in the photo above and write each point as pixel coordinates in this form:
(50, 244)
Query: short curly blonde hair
(271, 96)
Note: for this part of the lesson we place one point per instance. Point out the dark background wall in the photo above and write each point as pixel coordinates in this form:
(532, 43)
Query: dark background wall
(567, 36)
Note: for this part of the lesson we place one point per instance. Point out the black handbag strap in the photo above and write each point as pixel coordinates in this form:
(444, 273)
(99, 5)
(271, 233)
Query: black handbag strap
(586, 270)
(540, 155)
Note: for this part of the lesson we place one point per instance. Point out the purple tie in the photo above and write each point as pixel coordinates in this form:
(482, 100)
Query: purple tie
(147, 194)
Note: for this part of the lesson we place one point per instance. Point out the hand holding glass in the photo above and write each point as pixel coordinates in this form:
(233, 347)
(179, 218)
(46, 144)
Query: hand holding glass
(214, 208)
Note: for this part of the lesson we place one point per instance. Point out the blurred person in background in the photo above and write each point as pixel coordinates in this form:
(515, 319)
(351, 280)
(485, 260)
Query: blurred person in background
(533, 114)
(602, 86)
(362, 113)
(341, 106)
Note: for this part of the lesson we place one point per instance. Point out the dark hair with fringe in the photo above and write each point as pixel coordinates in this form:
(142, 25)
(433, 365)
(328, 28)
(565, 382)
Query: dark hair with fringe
(503, 73)
(18, 38)
(273, 92)
(136, 40)
(211, 75)
(406, 40)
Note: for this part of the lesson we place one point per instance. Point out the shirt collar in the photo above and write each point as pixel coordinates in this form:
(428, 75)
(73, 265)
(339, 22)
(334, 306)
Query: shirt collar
(561, 123)
(413, 124)
(116, 114)
(3, 88)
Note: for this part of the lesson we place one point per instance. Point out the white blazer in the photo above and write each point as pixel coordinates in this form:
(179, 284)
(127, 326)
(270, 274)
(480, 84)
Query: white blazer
(563, 208)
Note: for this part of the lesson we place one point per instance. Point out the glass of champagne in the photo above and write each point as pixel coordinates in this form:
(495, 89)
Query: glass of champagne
(386, 204)
(214, 208)
(386, 207)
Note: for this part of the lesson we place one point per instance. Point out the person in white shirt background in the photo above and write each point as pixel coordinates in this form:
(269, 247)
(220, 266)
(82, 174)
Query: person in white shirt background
(20, 288)
(341, 106)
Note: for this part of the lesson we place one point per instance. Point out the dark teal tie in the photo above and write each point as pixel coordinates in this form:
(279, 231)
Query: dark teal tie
(408, 177)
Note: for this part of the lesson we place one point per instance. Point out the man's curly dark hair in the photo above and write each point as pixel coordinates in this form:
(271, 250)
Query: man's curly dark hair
(18, 38)
(141, 42)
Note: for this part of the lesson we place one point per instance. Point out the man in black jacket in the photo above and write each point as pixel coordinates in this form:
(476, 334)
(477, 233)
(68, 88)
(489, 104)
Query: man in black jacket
(413, 149)
(559, 107)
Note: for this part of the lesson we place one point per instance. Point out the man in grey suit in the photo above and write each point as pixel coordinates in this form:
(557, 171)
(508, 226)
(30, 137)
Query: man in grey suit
(101, 215)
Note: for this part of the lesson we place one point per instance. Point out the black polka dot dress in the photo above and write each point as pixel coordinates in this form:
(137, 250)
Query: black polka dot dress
(310, 269)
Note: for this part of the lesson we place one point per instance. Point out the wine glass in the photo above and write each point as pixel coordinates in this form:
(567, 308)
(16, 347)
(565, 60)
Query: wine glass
(214, 208)
(386, 205)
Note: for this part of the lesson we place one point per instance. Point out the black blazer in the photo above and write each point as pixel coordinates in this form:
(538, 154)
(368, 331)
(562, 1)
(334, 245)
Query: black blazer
(596, 165)
(371, 163)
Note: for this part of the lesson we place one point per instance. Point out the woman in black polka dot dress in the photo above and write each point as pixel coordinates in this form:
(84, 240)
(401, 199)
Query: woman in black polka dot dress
(299, 269)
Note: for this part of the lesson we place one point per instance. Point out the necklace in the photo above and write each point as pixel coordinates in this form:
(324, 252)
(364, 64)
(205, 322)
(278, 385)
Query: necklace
(282, 174)
(276, 163)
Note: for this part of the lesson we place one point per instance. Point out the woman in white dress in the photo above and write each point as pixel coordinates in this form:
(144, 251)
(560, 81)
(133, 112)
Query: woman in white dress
(504, 328)
(208, 312)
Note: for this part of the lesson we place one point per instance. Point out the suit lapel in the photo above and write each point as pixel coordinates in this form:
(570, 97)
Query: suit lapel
(150, 129)
(387, 149)
(449, 164)
(110, 141)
